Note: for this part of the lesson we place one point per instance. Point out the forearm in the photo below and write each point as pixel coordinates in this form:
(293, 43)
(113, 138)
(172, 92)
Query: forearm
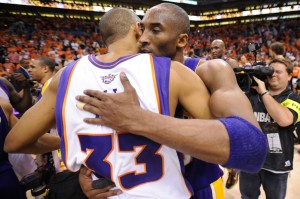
(279, 113)
(26, 101)
(44, 144)
(204, 139)
(232, 141)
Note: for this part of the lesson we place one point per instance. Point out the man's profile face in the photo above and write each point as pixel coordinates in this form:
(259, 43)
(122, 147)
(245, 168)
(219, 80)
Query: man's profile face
(158, 34)
(36, 70)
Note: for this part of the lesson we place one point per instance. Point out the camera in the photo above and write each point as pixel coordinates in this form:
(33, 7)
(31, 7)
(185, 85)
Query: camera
(38, 181)
(245, 79)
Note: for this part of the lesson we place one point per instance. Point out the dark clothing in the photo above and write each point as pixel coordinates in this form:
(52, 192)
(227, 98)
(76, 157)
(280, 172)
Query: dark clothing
(279, 160)
(280, 139)
(65, 185)
(10, 187)
(250, 188)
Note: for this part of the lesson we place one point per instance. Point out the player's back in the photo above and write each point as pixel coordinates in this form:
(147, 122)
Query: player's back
(140, 167)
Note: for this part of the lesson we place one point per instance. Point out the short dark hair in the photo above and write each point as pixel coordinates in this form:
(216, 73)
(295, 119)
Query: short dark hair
(46, 61)
(116, 23)
(288, 64)
(277, 48)
(179, 15)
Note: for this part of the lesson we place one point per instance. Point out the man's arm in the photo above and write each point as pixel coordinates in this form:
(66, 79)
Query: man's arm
(24, 136)
(187, 89)
(227, 99)
(282, 115)
(20, 103)
(233, 63)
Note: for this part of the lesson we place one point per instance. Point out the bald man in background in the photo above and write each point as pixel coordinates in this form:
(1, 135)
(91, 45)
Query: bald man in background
(218, 52)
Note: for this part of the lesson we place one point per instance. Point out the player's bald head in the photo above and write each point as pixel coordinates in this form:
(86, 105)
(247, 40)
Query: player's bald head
(116, 23)
(218, 42)
(174, 14)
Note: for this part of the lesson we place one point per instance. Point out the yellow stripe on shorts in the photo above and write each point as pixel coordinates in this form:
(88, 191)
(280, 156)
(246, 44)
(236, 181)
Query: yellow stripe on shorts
(217, 189)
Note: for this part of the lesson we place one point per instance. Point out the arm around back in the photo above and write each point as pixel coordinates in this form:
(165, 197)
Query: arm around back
(228, 100)
(24, 136)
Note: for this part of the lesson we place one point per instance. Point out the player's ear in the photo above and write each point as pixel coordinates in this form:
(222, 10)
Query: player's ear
(182, 40)
(137, 29)
(45, 68)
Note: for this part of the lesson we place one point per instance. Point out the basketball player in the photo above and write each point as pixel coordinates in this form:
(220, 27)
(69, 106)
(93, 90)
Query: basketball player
(159, 38)
(135, 164)
(218, 52)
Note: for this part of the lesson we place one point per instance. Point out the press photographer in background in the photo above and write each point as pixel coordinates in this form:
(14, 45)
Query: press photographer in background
(277, 111)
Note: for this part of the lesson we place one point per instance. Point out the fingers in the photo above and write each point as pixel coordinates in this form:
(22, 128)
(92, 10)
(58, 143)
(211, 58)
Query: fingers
(97, 95)
(97, 110)
(89, 104)
(97, 121)
(128, 88)
(125, 82)
(85, 171)
(103, 193)
(108, 194)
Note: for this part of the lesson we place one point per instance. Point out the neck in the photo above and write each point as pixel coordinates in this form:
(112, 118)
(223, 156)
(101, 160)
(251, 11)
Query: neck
(179, 56)
(120, 48)
(276, 91)
(46, 78)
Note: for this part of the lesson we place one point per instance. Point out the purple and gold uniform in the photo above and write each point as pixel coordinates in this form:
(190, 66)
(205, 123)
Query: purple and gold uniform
(205, 178)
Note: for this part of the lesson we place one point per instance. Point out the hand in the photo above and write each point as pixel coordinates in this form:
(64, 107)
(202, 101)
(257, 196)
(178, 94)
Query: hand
(85, 181)
(261, 87)
(118, 111)
(20, 79)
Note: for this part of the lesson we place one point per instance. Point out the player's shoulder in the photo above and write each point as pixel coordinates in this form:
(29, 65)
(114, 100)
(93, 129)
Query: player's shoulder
(214, 65)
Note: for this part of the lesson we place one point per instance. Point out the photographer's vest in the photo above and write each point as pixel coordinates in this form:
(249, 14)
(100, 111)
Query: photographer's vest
(280, 139)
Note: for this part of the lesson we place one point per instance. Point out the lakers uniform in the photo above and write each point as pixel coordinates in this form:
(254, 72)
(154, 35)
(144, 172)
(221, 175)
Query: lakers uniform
(9, 183)
(204, 177)
(138, 166)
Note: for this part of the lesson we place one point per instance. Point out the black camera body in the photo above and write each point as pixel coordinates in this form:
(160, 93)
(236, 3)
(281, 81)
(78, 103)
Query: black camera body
(38, 181)
(245, 79)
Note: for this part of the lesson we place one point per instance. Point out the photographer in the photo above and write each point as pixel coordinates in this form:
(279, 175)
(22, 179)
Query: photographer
(277, 110)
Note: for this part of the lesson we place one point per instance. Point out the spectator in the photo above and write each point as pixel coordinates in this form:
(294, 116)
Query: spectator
(276, 50)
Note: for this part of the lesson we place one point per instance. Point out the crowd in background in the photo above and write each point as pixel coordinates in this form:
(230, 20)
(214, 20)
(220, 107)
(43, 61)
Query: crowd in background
(26, 37)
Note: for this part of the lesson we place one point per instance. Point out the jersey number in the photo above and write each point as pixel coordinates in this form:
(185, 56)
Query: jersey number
(100, 147)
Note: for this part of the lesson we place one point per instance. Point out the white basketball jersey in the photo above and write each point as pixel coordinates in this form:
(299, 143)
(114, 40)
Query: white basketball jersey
(139, 167)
